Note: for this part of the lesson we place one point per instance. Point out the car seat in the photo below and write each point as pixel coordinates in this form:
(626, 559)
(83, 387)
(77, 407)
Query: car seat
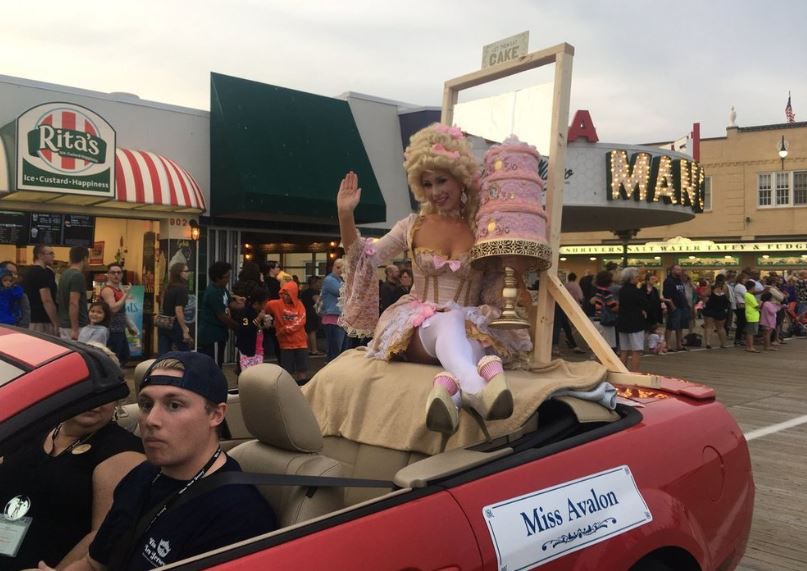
(288, 441)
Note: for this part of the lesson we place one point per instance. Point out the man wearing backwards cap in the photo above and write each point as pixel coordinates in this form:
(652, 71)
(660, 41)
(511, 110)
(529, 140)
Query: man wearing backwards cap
(182, 400)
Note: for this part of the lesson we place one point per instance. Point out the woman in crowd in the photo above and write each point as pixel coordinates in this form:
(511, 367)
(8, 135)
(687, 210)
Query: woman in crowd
(631, 320)
(65, 478)
(429, 325)
(174, 301)
(652, 296)
(605, 306)
(716, 311)
(335, 336)
(310, 297)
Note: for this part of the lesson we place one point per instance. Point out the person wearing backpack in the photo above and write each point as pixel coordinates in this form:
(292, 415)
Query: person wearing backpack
(606, 307)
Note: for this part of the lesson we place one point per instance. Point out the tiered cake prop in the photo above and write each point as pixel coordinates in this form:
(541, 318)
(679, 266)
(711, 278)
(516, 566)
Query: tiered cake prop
(511, 221)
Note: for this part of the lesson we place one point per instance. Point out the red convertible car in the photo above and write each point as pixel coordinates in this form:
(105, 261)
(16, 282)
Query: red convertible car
(662, 482)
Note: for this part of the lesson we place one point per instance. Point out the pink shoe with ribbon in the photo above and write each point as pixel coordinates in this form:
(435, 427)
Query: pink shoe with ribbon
(442, 414)
(495, 401)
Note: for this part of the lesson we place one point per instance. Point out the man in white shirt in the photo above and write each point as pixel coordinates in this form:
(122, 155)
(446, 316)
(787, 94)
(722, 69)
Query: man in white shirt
(731, 280)
(739, 312)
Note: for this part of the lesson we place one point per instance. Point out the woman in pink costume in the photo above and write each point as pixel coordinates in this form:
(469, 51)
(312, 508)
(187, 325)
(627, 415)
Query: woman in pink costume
(444, 318)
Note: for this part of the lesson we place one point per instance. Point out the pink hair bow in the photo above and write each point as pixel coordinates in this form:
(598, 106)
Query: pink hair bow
(441, 150)
(440, 261)
(455, 132)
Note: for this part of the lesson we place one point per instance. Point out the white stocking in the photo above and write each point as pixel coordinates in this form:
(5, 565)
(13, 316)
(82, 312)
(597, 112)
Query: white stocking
(443, 336)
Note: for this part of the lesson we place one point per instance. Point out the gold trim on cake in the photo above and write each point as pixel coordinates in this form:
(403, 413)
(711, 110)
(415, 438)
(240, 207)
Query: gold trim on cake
(510, 247)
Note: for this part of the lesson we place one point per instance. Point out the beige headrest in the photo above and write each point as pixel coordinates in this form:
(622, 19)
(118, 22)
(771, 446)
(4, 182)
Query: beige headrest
(140, 371)
(275, 411)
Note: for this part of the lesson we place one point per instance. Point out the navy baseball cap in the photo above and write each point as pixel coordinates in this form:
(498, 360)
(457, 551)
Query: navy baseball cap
(201, 376)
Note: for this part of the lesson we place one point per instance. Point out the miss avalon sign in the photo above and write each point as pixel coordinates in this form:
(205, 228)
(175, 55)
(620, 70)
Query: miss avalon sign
(533, 529)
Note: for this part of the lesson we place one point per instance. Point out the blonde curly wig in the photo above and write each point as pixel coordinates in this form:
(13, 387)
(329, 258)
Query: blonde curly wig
(443, 148)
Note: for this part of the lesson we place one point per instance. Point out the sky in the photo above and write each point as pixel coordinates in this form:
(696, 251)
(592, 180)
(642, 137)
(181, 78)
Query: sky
(645, 70)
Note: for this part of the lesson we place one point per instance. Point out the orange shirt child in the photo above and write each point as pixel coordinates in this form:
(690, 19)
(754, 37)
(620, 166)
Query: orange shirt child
(288, 313)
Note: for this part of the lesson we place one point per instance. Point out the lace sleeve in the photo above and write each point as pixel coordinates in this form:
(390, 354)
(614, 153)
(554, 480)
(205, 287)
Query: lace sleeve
(359, 294)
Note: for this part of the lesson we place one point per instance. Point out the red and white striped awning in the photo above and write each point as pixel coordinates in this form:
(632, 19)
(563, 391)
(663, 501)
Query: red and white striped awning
(146, 178)
(143, 181)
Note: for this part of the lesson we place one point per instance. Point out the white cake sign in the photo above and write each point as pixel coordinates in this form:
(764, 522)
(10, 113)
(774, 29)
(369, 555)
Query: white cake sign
(533, 529)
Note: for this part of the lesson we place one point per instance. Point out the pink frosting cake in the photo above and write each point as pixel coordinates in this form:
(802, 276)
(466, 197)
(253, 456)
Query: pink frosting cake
(510, 199)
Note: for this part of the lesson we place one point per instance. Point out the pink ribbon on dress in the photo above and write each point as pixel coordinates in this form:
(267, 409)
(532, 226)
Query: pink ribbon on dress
(440, 261)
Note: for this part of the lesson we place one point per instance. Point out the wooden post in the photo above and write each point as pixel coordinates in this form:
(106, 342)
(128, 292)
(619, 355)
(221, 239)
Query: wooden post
(545, 318)
(551, 290)
(557, 291)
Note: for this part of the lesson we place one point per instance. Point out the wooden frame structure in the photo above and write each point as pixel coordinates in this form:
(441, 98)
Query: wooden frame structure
(552, 290)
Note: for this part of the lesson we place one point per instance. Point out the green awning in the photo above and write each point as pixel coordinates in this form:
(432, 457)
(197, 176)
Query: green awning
(276, 153)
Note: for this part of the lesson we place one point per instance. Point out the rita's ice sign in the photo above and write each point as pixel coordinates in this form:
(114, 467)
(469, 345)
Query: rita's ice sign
(66, 148)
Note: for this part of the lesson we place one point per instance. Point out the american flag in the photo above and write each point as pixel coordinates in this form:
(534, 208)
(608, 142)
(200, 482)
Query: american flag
(791, 117)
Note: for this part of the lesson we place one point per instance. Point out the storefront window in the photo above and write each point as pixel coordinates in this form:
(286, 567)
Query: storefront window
(782, 189)
(800, 188)
(764, 189)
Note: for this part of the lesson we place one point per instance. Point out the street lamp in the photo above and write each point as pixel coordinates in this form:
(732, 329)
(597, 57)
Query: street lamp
(195, 230)
(783, 151)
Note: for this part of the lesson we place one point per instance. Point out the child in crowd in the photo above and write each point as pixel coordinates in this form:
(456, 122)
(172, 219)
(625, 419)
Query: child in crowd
(98, 329)
(289, 316)
(767, 319)
(751, 316)
(655, 341)
(10, 296)
(249, 335)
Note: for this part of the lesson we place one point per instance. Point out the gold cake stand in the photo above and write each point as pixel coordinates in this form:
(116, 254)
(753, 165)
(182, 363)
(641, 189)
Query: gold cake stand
(516, 256)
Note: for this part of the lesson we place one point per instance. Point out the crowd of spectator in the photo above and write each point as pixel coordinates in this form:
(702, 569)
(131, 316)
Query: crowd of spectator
(35, 301)
(639, 313)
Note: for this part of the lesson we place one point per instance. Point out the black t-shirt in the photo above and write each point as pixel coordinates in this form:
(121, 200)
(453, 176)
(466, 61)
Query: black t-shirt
(388, 293)
(60, 490)
(631, 305)
(38, 278)
(246, 335)
(175, 294)
(222, 516)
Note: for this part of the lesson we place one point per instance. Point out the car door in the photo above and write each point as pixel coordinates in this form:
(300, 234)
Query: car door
(412, 530)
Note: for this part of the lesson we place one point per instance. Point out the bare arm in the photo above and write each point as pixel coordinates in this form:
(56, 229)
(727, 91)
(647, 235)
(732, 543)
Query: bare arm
(106, 476)
(227, 320)
(86, 563)
(75, 299)
(179, 312)
(108, 295)
(346, 202)
(50, 307)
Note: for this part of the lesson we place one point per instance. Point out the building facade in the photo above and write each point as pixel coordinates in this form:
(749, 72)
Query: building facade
(754, 213)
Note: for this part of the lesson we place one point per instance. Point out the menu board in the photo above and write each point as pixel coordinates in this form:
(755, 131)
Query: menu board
(78, 230)
(61, 229)
(46, 229)
(13, 227)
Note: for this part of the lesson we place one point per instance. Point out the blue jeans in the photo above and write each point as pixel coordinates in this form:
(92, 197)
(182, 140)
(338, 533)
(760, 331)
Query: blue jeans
(337, 341)
(168, 338)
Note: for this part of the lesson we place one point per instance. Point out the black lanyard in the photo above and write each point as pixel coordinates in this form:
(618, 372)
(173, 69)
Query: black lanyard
(120, 556)
(172, 499)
